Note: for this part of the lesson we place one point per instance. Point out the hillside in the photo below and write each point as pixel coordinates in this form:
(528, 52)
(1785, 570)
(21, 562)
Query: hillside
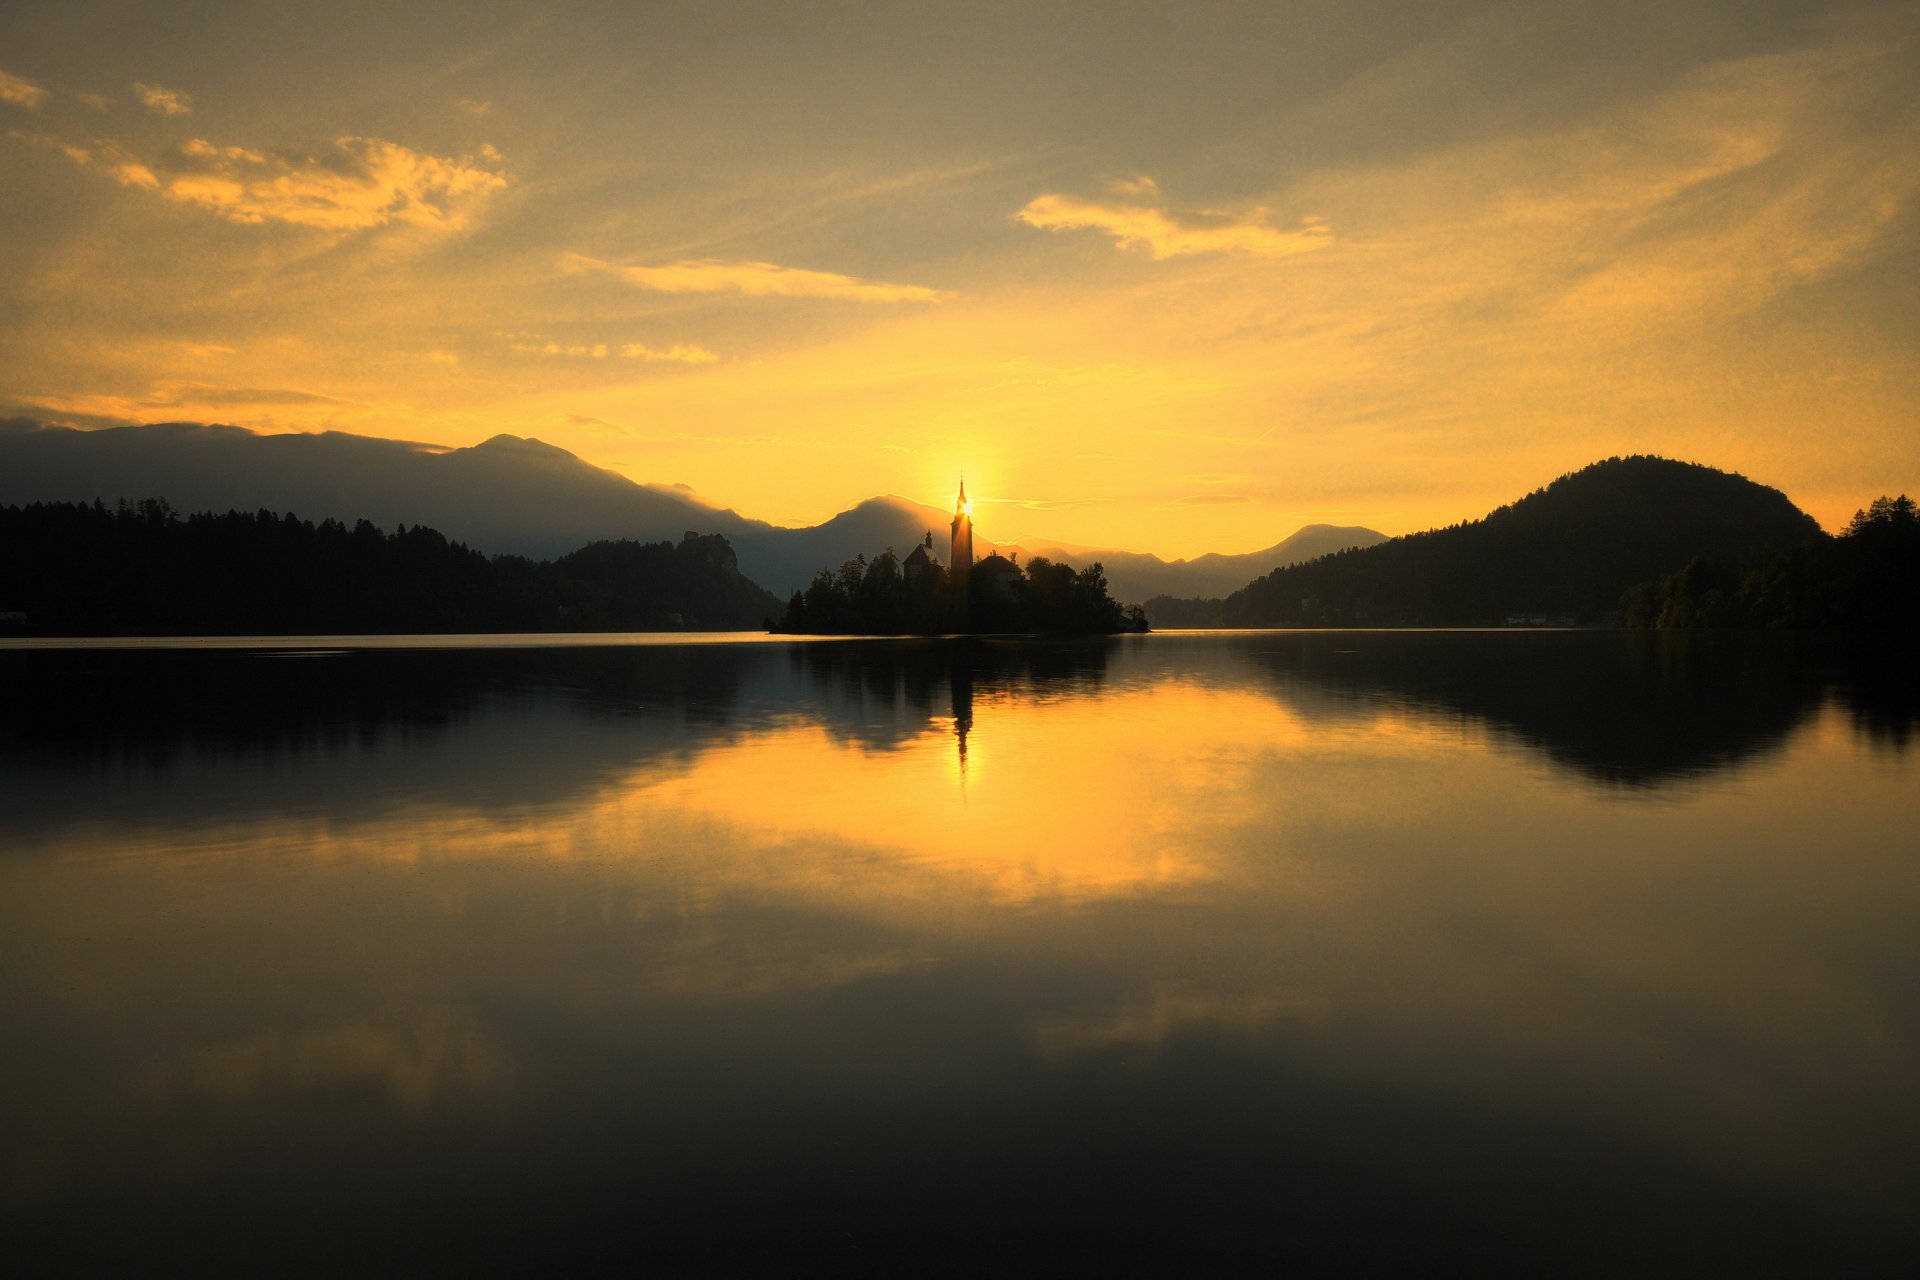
(1567, 551)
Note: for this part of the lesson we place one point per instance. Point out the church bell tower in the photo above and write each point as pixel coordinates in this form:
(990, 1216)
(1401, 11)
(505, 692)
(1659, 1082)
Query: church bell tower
(960, 557)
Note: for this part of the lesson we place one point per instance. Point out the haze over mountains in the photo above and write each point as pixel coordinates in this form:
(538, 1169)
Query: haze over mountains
(521, 496)
(1145, 576)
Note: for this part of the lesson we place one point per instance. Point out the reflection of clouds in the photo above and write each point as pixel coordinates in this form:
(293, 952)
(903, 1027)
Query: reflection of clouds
(1166, 1010)
(1370, 903)
(439, 1059)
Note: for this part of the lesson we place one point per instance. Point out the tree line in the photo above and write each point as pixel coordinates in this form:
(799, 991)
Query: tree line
(880, 596)
(141, 568)
(1867, 577)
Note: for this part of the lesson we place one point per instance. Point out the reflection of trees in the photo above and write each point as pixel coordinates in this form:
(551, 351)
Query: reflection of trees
(882, 693)
(1618, 707)
(187, 732)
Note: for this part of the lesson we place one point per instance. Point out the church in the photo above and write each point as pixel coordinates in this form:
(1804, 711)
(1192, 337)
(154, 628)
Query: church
(997, 574)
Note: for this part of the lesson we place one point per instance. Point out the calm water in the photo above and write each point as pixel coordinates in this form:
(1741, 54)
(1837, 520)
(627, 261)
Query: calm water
(1549, 952)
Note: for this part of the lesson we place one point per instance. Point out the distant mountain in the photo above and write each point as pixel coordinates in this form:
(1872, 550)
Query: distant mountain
(510, 495)
(1134, 576)
(506, 495)
(1566, 551)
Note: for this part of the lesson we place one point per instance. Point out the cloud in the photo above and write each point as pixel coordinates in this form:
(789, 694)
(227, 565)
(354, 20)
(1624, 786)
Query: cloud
(679, 352)
(533, 344)
(759, 279)
(163, 102)
(1133, 217)
(100, 156)
(443, 357)
(359, 184)
(1213, 500)
(98, 101)
(1042, 504)
(472, 107)
(181, 395)
(21, 93)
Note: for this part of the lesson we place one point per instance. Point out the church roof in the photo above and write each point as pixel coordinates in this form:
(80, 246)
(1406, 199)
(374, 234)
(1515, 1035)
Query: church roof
(996, 563)
(920, 555)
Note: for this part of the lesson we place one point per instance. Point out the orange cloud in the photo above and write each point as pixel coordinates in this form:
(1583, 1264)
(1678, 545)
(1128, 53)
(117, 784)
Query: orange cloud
(1134, 222)
(21, 93)
(362, 183)
(101, 156)
(532, 344)
(760, 279)
(163, 102)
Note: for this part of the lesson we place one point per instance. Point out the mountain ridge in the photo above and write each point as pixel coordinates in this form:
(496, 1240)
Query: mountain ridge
(506, 494)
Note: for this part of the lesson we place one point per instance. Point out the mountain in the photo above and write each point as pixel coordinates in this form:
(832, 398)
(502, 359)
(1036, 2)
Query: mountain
(1135, 576)
(510, 495)
(506, 494)
(1566, 551)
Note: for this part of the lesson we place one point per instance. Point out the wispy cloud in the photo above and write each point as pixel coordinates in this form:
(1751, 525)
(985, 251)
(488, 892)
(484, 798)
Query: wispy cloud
(1133, 214)
(532, 344)
(678, 353)
(1042, 504)
(360, 183)
(475, 107)
(759, 279)
(100, 156)
(163, 102)
(21, 93)
(181, 395)
(98, 101)
(1213, 500)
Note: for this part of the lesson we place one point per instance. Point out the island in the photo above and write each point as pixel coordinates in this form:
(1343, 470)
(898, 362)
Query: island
(888, 595)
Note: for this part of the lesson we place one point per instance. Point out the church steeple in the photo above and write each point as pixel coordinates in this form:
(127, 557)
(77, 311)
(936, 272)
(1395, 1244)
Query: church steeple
(960, 557)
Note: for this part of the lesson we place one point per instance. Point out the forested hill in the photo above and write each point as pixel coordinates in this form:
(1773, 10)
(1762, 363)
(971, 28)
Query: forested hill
(1567, 551)
(141, 569)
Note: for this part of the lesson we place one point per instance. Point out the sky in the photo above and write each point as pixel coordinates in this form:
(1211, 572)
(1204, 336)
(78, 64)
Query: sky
(1171, 278)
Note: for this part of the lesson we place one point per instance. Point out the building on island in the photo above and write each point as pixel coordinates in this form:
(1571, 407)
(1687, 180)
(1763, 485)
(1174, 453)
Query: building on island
(999, 578)
(920, 569)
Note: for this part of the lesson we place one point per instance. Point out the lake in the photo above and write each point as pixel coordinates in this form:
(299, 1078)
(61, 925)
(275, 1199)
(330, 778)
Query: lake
(1542, 952)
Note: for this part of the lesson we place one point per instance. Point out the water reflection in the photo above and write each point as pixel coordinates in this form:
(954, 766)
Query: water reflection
(1555, 952)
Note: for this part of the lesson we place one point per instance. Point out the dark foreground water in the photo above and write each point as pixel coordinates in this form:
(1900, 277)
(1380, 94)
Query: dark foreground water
(1550, 953)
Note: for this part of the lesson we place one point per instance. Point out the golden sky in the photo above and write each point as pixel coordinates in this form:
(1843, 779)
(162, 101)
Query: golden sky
(1176, 278)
